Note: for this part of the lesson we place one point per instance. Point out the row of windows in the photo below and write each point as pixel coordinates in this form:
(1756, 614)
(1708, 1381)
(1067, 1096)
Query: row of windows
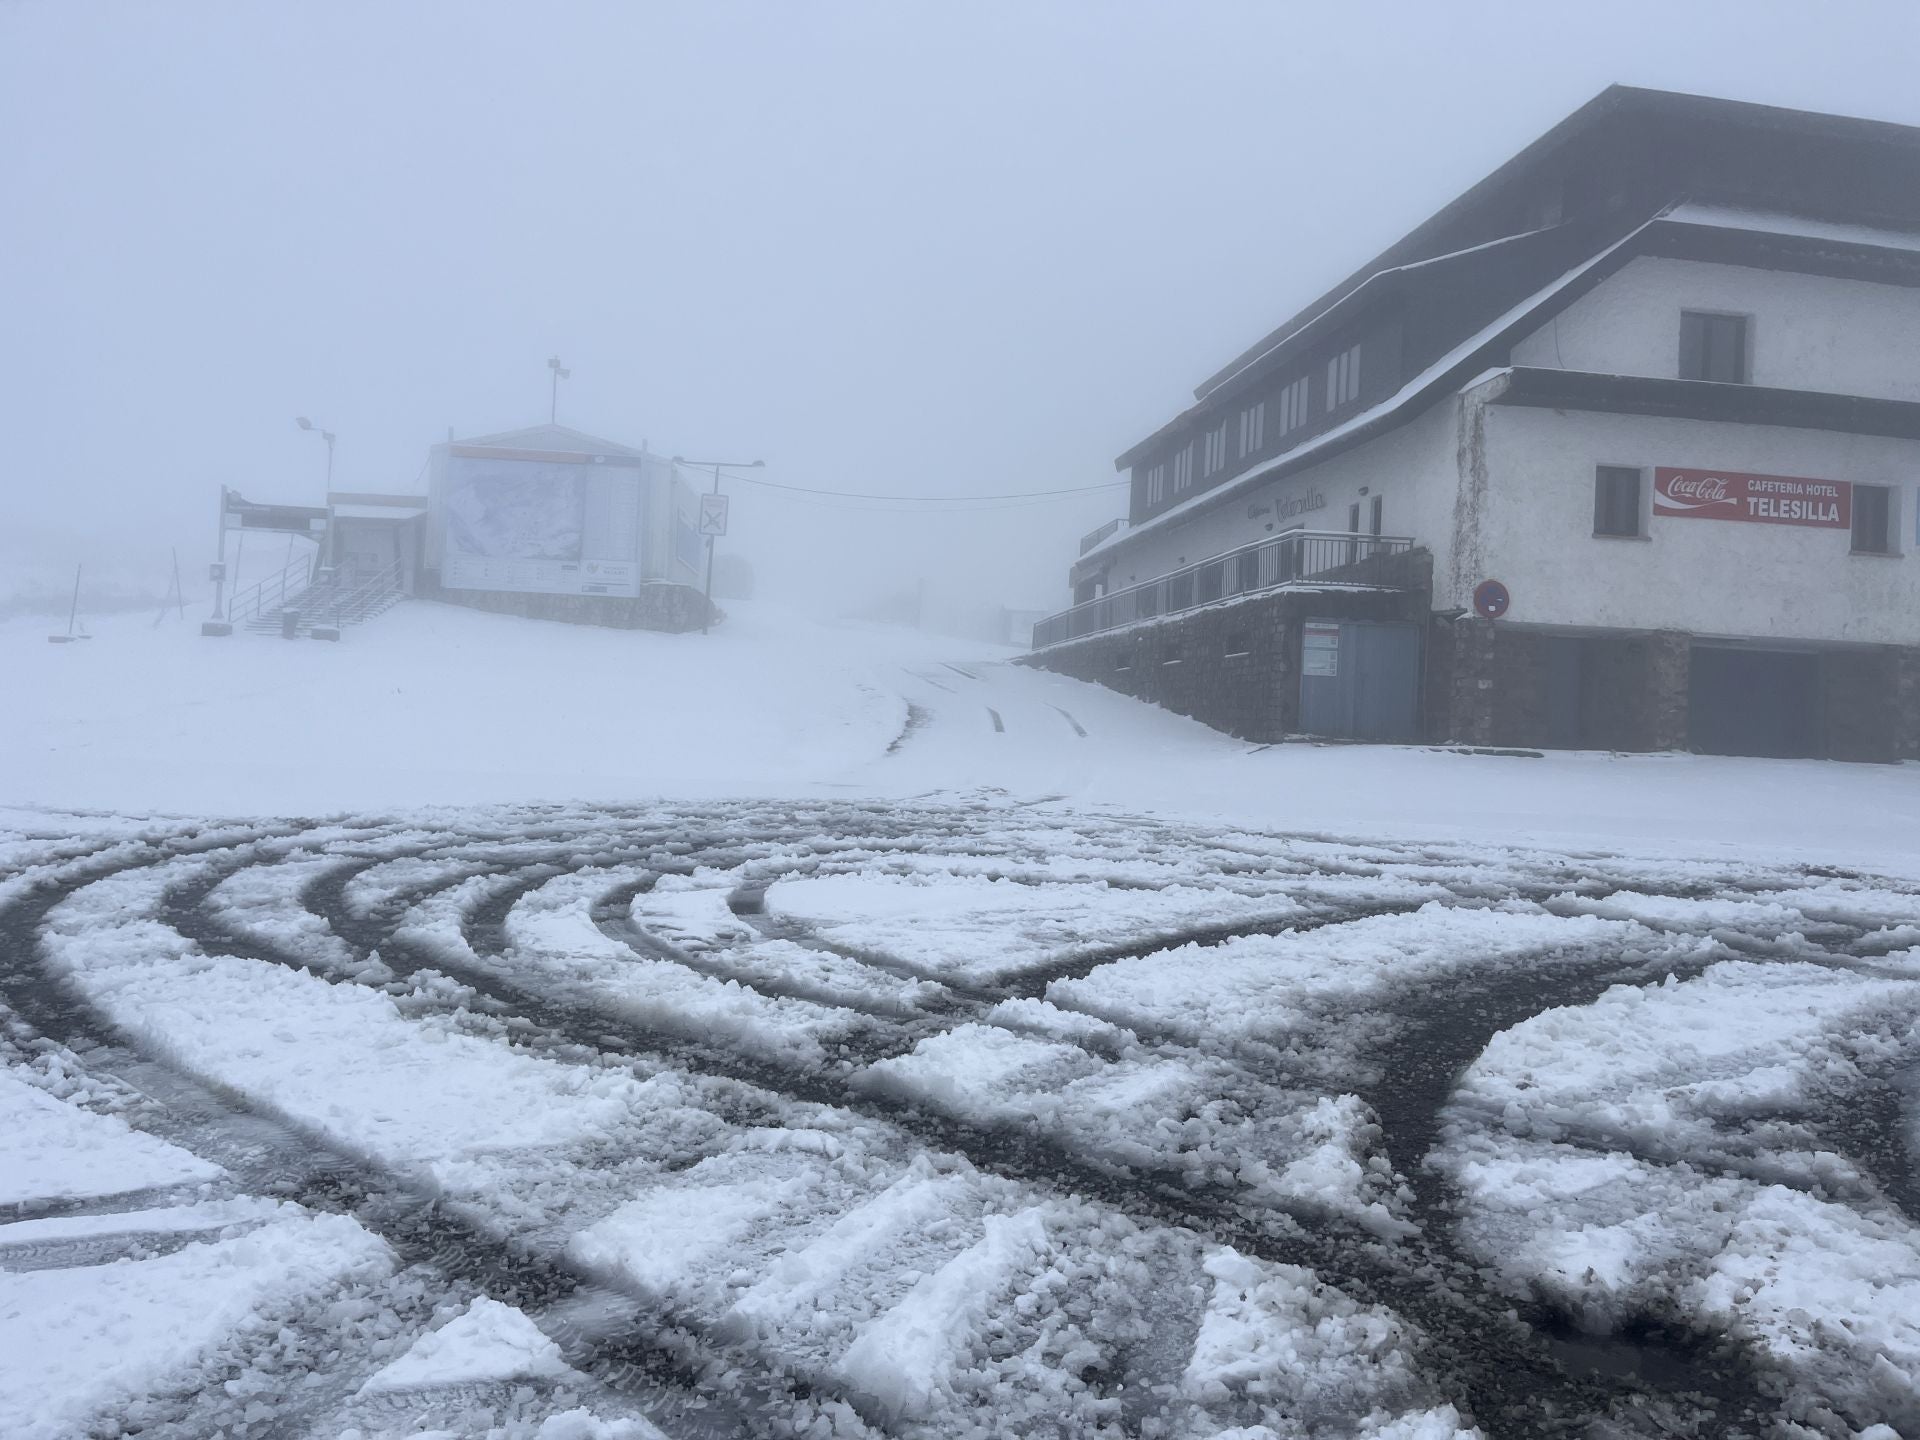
(1253, 428)
(1215, 460)
(1293, 406)
(1343, 387)
(1620, 509)
(1343, 377)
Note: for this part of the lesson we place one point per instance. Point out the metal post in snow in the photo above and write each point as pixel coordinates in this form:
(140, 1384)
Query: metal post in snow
(220, 563)
(73, 611)
(706, 615)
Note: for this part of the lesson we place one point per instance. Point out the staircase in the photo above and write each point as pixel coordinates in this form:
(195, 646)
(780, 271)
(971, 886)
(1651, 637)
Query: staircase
(336, 600)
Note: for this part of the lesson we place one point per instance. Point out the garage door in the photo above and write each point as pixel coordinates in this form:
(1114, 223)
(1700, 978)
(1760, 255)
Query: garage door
(1753, 702)
(1360, 680)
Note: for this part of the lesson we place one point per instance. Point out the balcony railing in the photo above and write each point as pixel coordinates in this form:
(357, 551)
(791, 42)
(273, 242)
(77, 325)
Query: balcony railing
(1299, 557)
(1094, 537)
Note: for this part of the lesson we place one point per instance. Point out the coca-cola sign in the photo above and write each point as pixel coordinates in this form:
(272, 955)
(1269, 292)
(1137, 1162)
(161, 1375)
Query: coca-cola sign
(1756, 499)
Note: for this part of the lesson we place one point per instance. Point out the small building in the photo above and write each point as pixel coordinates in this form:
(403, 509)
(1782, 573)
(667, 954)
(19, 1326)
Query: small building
(556, 524)
(1619, 449)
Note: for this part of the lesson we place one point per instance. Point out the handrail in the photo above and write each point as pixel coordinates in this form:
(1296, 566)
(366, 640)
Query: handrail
(269, 592)
(355, 604)
(1094, 537)
(1296, 557)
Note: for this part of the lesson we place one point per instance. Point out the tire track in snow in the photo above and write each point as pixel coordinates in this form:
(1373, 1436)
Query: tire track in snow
(655, 1363)
(1471, 1346)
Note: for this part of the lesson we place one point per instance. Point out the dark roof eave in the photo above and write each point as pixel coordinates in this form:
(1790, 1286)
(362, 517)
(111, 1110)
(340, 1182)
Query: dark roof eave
(1379, 290)
(1613, 98)
(1707, 400)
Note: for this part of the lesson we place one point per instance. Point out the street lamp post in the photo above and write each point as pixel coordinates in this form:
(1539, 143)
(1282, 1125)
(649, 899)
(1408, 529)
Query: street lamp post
(328, 556)
(327, 435)
(706, 615)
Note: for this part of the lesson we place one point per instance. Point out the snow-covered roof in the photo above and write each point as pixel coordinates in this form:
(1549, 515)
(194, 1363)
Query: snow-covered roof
(377, 512)
(1371, 283)
(552, 437)
(1414, 389)
(1797, 226)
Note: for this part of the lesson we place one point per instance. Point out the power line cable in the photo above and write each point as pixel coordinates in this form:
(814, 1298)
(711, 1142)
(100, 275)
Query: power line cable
(927, 499)
(895, 507)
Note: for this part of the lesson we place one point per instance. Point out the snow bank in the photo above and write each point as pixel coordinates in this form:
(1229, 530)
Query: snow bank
(80, 1342)
(554, 941)
(905, 1359)
(338, 1060)
(58, 1151)
(1260, 987)
(1676, 1069)
(1191, 1114)
(487, 1342)
(981, 929)
(1722, 1204)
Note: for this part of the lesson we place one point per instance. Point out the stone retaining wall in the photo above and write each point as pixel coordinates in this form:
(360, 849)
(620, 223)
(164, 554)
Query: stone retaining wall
(660, 605)
(1234, 665)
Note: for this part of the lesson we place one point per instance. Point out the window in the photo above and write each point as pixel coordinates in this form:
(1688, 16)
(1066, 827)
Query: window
(1183, 469)
(1616, 501)
(1872, 520)
(1373, 518)
(1216, 456)
(1343, 377)
(1713, 347)
(1353, 517)
(1293, 406)
(1253, 428)
(1156, 484)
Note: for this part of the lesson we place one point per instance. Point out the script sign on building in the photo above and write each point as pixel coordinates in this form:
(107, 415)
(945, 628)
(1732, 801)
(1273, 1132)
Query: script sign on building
(1755, 499)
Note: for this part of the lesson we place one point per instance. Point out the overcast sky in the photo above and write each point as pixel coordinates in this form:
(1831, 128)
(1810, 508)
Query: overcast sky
(935, 249)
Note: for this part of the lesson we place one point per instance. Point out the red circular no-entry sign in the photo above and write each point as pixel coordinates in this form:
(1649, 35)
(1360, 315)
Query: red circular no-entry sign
(1490, 598)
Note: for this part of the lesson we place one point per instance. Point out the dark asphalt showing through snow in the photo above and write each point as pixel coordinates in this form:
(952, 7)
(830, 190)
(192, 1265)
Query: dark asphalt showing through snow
(1513, 1364)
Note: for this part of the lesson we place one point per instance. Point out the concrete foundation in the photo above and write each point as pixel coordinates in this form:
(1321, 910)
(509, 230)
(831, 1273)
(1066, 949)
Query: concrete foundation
(659, 605)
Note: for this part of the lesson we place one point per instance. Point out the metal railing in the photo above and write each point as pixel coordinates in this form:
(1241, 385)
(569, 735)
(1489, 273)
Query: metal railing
(1299, 557)
(271, 593)
(1094, 537)
(369, 597)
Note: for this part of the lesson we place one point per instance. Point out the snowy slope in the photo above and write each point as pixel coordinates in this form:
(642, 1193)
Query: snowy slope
(434, 704)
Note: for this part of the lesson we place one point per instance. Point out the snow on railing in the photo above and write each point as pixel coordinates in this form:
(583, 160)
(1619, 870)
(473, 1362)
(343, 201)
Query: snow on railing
(1299, 557)
(271, 593)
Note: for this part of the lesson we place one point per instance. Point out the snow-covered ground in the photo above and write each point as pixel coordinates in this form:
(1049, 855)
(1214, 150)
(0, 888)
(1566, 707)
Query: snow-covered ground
(434, 704)
(491, 1028)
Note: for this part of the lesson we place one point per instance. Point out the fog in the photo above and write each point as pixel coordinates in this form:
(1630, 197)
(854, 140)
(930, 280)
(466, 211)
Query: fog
(895, 249)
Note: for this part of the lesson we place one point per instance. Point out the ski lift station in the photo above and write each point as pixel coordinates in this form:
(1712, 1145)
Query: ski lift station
(546, 522)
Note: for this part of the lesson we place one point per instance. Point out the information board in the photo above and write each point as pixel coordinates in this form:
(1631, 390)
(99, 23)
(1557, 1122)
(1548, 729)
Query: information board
(550, 524)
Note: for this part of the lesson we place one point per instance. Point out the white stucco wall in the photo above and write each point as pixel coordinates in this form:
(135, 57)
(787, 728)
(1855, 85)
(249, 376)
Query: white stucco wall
(1534, 531)
(1413, 469)
(1807, 332)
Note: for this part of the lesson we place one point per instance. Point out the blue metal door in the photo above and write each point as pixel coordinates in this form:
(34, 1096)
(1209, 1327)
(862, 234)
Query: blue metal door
(1360, 679)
